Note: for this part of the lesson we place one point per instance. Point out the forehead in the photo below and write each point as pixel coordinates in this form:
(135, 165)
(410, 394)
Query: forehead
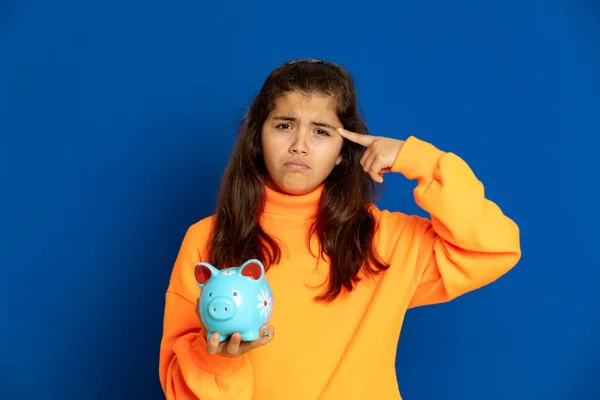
(228, 272)
(300, 105)
(226, 279)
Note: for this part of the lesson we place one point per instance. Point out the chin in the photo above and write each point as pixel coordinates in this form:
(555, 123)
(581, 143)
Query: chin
(298, 191)
(293, 188)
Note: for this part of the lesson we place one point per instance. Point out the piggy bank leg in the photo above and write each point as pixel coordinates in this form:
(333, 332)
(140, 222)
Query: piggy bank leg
(250, 336)
(221, 337)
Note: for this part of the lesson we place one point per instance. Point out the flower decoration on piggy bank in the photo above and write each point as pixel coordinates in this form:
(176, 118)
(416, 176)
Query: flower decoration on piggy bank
(234, 300)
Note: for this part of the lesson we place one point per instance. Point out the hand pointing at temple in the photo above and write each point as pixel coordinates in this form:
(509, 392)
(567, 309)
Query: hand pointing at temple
(380, 154)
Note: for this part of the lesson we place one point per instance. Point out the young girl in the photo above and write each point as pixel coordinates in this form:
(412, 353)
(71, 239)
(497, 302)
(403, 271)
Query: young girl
(298, 194)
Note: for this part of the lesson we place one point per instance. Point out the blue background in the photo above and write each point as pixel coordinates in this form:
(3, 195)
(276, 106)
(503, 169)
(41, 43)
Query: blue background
(117, 118)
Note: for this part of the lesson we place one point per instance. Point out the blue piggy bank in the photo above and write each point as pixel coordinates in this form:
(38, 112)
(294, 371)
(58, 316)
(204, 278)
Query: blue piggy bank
(234, 300)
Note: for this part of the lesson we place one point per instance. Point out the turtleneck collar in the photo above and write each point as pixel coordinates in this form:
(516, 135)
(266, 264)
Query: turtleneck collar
(279, 204)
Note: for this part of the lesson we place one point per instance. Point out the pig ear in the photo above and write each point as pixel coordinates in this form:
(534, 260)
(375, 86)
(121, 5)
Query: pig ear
(204, 271)
(253, 269)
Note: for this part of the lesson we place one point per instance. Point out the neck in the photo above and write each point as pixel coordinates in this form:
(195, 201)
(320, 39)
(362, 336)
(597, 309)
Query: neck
(303, 206)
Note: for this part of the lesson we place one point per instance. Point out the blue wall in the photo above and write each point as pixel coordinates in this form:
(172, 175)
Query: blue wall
(116, 119)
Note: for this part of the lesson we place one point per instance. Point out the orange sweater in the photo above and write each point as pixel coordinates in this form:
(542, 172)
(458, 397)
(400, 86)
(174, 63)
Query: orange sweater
(345, 349)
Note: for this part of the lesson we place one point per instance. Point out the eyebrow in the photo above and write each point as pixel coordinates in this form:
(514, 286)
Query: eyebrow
(294, 119)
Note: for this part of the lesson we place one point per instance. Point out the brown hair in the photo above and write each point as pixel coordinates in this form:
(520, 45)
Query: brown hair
(343, 224)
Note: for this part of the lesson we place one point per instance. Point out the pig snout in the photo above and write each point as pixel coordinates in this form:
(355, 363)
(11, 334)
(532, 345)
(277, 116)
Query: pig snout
(221, 308)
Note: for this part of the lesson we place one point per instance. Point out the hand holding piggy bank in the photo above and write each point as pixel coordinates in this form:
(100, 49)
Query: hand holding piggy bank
(234, 300)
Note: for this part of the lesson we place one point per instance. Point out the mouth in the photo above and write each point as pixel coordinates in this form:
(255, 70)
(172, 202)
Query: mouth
(297, 165)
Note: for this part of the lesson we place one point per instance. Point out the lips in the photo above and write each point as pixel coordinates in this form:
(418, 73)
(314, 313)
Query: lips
(297, 165)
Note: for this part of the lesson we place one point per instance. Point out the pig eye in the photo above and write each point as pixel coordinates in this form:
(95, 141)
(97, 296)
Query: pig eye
(235, 293)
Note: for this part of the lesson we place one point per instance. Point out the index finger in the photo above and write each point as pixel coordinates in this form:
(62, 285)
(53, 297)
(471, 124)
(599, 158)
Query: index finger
(363, 140)
(212, 345)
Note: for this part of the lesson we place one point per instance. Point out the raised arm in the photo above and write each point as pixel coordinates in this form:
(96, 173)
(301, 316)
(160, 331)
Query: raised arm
(467, 243)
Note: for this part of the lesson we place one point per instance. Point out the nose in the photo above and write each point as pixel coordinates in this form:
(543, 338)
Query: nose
(221, 308)
(299, 145)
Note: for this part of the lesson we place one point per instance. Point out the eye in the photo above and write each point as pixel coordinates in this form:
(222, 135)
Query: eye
(210, 294)
(284, 126)
(235, 293)
(322, 132)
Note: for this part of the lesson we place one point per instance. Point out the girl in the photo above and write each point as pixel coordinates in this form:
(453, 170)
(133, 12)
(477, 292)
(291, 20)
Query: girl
(298, 194)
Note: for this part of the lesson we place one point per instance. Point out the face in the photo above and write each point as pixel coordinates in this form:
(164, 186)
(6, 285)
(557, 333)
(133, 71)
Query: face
(300, 142)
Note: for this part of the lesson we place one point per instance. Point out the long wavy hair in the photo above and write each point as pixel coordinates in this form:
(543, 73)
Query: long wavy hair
(343, 224)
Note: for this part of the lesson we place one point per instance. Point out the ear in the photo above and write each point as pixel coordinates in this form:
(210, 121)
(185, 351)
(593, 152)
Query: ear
(339, 159)
(204, 271)
(253, 269)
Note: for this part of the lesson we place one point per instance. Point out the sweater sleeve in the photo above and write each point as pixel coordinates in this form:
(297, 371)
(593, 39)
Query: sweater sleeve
(186, 370)
(468, 242)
